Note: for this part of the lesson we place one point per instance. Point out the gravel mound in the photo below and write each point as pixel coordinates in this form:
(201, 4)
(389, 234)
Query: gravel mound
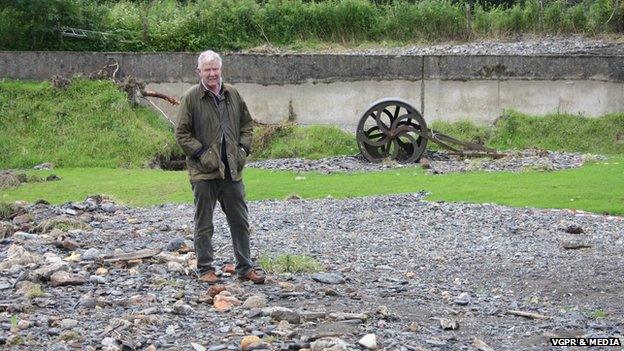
(437, 163)
(519, 46)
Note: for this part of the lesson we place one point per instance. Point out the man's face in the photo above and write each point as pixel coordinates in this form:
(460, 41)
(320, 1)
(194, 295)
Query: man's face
(210, 74)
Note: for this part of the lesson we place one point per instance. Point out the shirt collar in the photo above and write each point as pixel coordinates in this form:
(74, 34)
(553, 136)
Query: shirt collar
(205, 89)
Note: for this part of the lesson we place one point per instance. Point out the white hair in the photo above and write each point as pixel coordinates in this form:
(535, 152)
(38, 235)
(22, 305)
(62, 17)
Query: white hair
(208, 56)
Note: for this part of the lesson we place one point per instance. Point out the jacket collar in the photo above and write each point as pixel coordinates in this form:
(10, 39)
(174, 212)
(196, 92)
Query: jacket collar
(204, 89)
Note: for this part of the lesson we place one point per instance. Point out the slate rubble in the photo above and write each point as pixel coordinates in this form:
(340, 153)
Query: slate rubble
(401, 274)
(438, 162)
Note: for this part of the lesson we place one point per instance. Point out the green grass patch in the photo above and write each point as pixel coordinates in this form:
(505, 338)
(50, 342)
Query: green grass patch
(589, 188)
(312, 142)
(556, 131)
(287, 263)
(91, 124)
(34, 291)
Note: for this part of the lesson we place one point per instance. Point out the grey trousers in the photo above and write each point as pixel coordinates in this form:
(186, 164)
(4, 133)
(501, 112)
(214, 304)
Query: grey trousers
(231, 196)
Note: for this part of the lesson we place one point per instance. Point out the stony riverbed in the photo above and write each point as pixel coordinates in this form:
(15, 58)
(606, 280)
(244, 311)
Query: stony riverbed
(409, 274)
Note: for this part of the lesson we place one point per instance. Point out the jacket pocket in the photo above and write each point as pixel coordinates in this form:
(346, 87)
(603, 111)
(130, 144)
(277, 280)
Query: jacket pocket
(242, 158)
(208, 161)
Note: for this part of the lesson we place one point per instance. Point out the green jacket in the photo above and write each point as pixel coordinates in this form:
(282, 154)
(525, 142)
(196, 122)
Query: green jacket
(198, 131)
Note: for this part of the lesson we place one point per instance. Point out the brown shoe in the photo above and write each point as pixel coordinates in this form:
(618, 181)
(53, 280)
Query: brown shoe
(209, 277)
(255, 275)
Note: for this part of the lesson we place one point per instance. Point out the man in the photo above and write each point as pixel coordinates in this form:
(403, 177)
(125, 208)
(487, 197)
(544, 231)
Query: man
(214, 129)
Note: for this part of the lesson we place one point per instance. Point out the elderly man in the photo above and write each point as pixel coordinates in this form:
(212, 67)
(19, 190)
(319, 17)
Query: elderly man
(214, 129)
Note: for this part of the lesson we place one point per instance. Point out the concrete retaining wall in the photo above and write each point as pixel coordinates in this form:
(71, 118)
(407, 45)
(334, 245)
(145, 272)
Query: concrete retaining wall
(335, 89)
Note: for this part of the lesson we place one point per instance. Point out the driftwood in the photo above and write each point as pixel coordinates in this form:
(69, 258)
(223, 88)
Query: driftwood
(169, 99)
(527, 314)
(140, 254)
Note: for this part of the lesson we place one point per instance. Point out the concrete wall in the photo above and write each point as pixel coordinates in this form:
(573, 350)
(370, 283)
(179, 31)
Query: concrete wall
(335, 89)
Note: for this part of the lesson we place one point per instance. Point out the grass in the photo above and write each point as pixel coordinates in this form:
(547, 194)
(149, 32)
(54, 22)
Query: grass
(556, 131)
(34, 291)
(312, 142)
(288, 263)
(589, 188)
(91, 124)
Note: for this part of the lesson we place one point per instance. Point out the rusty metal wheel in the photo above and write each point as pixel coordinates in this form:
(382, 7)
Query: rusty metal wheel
(392, 128)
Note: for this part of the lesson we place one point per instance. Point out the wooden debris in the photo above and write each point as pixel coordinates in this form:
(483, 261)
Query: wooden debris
(527, 314)
(145, 253)
(575, 245)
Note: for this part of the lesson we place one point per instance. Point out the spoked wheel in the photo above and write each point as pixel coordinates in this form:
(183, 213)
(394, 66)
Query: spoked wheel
(392, 128)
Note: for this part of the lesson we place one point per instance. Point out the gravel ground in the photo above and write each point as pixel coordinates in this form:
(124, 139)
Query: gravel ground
(437, 163)
(416, 275)
(523, 46)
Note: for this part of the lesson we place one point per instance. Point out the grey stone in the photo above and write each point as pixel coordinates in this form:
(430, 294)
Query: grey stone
(328, 278)
(91, 254)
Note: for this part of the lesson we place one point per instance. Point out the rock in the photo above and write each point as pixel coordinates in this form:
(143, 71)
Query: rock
(481, 345)
(448, 324)
(574, 229)
(22, 219)
(180, 245)
(96, 279)
(329, 344)
(383, 311)
(18, 256)
(282, 313)
(175, 267)
(197, 347)
(328, 278)
(171, 329)
(151, 348)
(6, 229)
(463, 299)
(369, 341)
(44, 166)
(52, 178)
(255, 301)
(68, 323)
(25, 236)
(45, 272)
(224, 301)
(182, 308)
(61, 278)
(110, 343)
(91, 254)
(413, 327)
(249, 342)
(23, 324)
(63, 241)
(214, 290)
(142, 299)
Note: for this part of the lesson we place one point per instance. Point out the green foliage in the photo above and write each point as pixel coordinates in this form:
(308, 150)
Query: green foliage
(599, 313)
(288, 263)
(89, 124)
(34, 291)
(557, 131)
(560, 131)
(312, 142)
(170, 25)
